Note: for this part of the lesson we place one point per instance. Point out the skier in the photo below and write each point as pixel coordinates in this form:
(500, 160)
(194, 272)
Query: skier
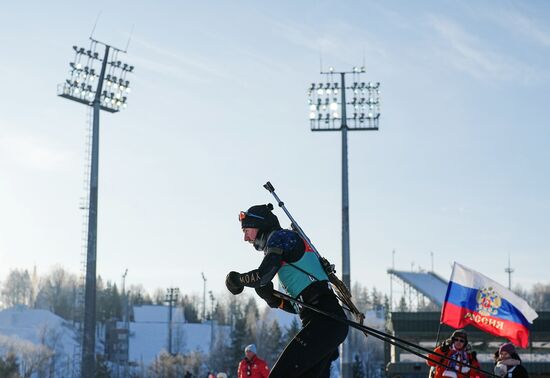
(458, 349)
(301, 274)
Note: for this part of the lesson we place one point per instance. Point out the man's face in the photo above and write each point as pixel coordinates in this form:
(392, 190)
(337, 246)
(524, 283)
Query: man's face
(249, 354)
(504, 355)
(250, 234)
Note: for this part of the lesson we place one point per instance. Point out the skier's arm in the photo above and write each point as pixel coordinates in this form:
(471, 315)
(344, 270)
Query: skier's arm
(281, 247)
(264, 274)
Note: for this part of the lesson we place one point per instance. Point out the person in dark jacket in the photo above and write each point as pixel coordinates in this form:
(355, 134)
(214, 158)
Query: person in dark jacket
(508, 364)
(302, 276)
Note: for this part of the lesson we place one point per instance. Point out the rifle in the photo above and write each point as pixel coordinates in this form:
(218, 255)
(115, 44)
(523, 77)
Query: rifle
(342, 292)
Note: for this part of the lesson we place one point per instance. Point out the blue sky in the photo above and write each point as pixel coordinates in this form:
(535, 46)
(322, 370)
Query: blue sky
(218, 107)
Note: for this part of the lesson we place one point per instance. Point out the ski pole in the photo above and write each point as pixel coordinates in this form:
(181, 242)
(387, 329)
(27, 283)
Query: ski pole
(383, 336)
(295, 225)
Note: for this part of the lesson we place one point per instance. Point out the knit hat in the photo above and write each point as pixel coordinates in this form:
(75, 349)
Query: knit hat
(507, 347)
(221, 375)
(460, 333)
(260, 217)
(250, 348)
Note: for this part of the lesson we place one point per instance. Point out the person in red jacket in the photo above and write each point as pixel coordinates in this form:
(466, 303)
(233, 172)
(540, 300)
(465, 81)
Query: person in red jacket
(458, 349)
(252, 366)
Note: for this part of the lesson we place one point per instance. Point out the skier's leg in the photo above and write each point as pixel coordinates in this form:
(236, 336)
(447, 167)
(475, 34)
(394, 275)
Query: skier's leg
(311, 349)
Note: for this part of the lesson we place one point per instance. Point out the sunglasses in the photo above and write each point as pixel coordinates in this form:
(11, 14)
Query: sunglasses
(244, 214)
(459, 340)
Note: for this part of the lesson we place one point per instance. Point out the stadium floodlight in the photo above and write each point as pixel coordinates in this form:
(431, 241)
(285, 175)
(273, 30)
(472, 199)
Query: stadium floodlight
(326, 103)
(334, 105)
(85, 86)
(83, 72)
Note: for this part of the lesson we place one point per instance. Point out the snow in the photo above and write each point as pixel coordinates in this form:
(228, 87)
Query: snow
(22, 329)
(19, 324)
(149, 333)
(150, 313)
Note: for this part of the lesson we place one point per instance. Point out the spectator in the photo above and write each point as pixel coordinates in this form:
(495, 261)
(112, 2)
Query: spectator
(458, 350)
(508, 364)
(251, 366)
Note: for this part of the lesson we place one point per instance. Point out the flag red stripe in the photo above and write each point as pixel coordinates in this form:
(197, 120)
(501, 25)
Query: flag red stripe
(458, 317)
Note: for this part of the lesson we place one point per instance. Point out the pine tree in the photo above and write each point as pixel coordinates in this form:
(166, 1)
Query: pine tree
(358, 369)
(251, 315)
(403, 305)
(272, 344)
(102, 369)
(9, 367)
(291, 331)
(387, 308)
(376, 301)
(190, 311)
(238, 340)
(238, 334)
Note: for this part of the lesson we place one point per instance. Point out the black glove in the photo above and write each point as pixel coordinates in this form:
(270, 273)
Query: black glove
(233, 283)
(266, 293)
(446, 345)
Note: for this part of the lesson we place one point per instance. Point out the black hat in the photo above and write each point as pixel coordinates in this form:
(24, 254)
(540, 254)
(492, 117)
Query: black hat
(261, 217)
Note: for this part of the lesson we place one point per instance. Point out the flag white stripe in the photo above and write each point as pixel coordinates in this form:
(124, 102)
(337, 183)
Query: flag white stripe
(470, 278)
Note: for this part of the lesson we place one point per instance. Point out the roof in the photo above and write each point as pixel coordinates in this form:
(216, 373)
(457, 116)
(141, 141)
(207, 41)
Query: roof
(429, 284)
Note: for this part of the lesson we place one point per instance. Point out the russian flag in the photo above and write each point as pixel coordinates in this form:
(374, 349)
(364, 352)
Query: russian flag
(475, 299)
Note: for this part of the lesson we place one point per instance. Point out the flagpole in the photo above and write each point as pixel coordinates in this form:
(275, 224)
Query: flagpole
(443, 310)
(438, 332)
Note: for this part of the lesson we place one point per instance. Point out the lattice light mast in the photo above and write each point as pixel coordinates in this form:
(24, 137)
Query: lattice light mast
(107, 90)
(330, 111)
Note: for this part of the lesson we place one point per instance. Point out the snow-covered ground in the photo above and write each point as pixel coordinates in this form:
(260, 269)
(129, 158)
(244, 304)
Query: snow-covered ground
(38, 327)
(149, 333)
(30, 332)
(39, 339)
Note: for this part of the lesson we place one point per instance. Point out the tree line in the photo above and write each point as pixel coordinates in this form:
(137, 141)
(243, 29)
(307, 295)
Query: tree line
(239, 321)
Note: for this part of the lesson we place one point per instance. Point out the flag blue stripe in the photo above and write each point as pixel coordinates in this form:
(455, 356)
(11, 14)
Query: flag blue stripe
(466, 297)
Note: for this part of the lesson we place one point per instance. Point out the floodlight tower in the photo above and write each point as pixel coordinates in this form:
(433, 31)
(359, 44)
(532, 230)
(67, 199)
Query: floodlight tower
(86, 86)
(203, 297)
(328, 111)
(509, 271)
(171, 298)
(211, 321)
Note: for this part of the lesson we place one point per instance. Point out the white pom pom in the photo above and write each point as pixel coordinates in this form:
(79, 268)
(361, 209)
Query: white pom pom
(501, 369)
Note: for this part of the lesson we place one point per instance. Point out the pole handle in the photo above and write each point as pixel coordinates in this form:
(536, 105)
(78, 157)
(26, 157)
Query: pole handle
(269, 187)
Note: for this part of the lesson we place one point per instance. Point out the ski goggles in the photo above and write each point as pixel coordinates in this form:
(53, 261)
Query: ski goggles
(244, 214)
(459, 339)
